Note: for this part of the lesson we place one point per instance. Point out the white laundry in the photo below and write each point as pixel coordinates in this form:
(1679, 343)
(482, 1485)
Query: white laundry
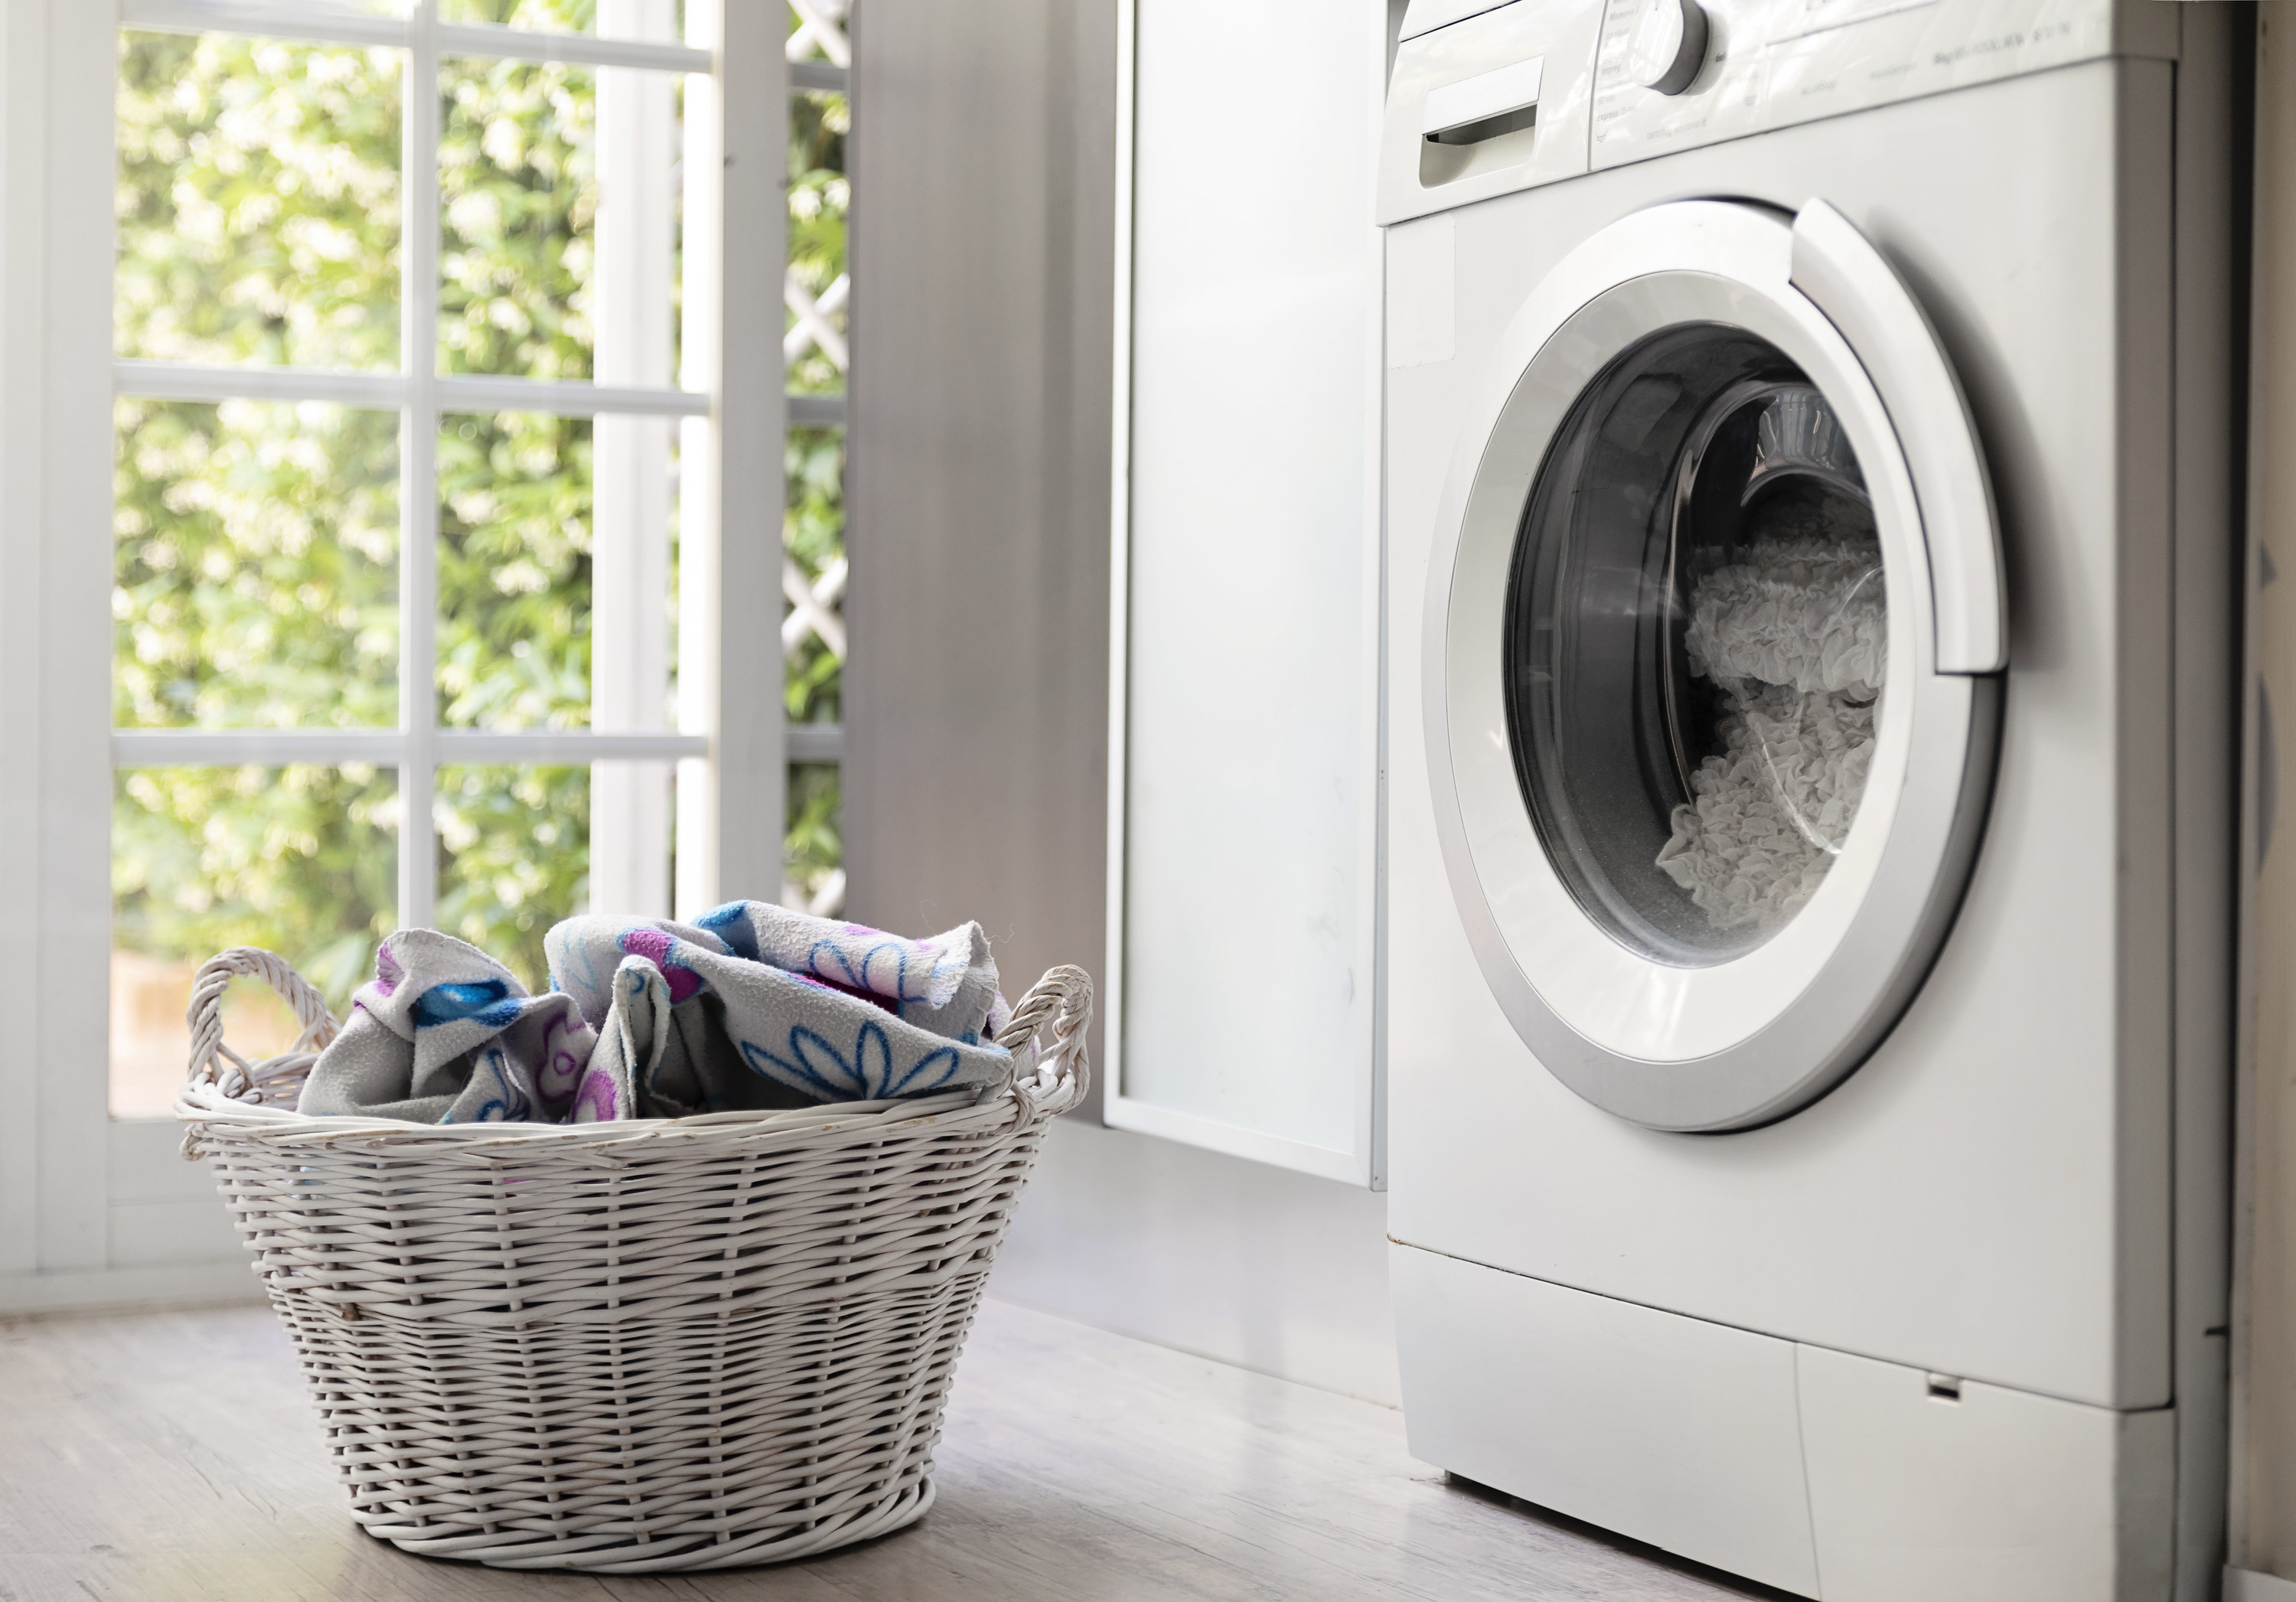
(1806, 612)
(1796, 637)
(1751, 847)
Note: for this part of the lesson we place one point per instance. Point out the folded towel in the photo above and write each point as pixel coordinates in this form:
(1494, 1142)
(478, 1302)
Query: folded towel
(445, 1034)
(755, 1005)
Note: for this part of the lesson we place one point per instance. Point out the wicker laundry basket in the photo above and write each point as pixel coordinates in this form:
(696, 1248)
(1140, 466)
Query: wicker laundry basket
(628, 1348)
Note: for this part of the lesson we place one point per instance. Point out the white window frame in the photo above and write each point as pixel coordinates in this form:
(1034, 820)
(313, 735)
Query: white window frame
(97, 1210)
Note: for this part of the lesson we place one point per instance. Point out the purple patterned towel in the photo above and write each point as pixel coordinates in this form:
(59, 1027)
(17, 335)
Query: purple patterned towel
(755, 1005)
(446, 1034)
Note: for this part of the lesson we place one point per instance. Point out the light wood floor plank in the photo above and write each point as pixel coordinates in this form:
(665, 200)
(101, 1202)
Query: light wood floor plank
(172, 1457)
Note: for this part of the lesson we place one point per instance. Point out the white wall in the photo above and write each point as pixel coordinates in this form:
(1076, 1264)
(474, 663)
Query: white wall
(1256, 1266)
(977, 693)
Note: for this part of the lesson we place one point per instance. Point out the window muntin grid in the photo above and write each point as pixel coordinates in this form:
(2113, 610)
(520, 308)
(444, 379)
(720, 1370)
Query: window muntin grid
(625, 758)
(818, 55)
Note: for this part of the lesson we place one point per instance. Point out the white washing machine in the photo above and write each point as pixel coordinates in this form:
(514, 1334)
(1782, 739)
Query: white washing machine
(1813, 443)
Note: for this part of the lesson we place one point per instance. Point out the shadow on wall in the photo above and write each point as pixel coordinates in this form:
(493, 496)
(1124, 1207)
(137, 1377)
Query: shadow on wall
(1269, 1269)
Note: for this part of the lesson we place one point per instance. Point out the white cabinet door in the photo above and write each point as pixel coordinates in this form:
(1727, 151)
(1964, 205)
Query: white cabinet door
(1245, 723)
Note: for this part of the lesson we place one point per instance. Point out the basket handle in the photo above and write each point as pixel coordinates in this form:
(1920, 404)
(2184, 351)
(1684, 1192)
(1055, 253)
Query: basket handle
(273, 1082)
(1063, 997)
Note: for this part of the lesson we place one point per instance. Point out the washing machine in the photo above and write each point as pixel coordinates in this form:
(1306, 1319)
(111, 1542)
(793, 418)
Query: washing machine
(1812, 572)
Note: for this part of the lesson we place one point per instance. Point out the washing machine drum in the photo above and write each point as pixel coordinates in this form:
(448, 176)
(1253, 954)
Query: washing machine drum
(1715, 637)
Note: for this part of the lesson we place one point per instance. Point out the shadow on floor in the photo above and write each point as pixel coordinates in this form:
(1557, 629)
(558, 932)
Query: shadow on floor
(1659, 1557)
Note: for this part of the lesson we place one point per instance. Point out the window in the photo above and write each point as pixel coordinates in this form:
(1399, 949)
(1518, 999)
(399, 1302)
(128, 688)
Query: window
(436, 419)
(815, 291)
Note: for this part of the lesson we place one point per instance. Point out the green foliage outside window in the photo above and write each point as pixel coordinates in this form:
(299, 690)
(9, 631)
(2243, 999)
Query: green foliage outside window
(256, 546)
(258, 203)
(553, 16)
(814, 522)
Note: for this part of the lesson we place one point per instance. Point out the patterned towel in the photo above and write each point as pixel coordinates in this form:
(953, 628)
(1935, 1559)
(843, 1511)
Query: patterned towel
(755, 1005)
(446, 1034)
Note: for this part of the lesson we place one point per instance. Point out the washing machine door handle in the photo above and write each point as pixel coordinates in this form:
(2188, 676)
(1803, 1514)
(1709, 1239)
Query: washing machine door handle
(1861, 295)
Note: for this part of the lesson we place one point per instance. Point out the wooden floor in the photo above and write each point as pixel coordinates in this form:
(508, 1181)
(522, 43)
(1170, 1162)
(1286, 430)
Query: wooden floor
(171, 1455)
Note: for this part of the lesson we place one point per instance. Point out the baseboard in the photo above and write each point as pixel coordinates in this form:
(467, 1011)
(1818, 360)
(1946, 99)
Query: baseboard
(111, 1290)
(2246, 1585)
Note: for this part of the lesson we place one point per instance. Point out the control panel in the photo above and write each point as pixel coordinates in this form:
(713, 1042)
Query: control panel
(1485, 99)
(1772, 63)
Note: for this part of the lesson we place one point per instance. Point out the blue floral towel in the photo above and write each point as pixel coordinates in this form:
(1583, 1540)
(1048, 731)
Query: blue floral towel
(445, 1034)
(755, 1005)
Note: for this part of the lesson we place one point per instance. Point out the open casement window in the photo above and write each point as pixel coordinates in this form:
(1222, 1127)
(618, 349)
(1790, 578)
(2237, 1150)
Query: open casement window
(391, 502)
(1241, 997)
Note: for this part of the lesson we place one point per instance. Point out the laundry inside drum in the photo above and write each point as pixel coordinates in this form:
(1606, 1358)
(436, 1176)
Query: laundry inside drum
(1696, 645)
(1785, 644)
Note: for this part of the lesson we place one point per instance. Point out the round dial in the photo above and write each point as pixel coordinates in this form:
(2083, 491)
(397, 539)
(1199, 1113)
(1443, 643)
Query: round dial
(1668, 45)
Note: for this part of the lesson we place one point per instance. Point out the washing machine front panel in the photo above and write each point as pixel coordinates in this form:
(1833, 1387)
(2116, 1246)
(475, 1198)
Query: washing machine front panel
(2028, 1079)
(1701, 876)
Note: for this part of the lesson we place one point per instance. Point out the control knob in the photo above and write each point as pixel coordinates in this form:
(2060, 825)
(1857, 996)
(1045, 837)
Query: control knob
(1668, 45)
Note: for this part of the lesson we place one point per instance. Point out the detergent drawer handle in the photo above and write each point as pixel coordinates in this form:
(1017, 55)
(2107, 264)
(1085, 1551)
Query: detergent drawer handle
(1502, 100)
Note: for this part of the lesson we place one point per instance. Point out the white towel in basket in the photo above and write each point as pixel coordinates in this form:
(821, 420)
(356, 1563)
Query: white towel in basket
(445, 1034)
(756, 1005)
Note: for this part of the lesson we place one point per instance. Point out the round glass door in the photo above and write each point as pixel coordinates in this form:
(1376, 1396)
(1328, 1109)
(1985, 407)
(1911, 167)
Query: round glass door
(1708, 669)
(1694, 644)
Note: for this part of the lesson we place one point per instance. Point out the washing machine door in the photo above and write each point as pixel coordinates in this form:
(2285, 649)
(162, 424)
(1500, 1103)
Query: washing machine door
(1715, 634)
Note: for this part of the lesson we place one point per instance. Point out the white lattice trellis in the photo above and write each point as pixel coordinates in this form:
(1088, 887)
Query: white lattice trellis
(816, 326)
(813, 607)
(820, 26)
(815, 330)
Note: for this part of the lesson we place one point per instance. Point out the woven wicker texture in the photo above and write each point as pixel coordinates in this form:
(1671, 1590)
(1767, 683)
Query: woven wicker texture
(634, 1347)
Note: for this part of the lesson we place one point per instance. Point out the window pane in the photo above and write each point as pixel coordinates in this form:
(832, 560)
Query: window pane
(813, 527)
(560, 198)
(813, 536)
(662, 20)
(302, 861)
(543, 16)
(514, 571)
(255, 565)
(557, 580)
(815, 297)
(258, 202)
(813, 639)
(513, 858)
(814, 855)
